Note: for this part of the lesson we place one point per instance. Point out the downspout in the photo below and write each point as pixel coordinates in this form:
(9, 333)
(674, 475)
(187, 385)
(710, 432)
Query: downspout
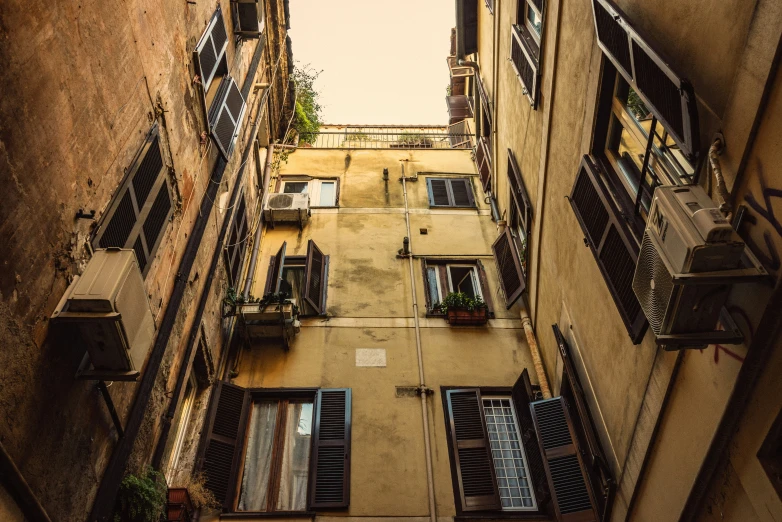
(495, 79)
(423, 391)
(258, 230)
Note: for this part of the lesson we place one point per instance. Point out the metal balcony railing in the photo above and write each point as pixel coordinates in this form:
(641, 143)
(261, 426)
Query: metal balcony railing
(456, 136)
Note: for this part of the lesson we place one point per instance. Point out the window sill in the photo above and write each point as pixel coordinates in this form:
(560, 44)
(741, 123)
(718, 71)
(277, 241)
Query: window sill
(243, 515)
(435, 207)
(516, 515)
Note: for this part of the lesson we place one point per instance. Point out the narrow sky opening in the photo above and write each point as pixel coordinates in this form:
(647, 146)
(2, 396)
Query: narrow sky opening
(382, 62)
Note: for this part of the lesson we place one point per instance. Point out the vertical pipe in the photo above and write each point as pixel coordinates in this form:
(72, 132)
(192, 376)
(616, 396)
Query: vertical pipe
(537, 361)
(422, 383)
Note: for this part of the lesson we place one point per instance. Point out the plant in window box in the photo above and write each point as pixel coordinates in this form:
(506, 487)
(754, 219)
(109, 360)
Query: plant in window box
(461, 309)
(141, 498)
(183, 501)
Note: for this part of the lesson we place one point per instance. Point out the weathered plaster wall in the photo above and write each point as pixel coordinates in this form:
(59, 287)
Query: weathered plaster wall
(81, 87)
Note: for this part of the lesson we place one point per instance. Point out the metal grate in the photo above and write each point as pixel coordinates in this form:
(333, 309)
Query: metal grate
(652, 284)
(141, 257)
(435, 138)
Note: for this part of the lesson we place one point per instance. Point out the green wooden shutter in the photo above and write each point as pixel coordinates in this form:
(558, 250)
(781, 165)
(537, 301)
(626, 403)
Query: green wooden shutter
(472, 452)
(329, 482)
(225, 436)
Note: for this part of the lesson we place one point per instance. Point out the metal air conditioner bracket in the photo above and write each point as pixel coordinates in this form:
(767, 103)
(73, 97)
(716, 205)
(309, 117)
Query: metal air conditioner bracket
(731, 334)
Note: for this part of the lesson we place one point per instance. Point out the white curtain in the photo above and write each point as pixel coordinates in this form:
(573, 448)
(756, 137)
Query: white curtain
(295, 458)
(260, 441)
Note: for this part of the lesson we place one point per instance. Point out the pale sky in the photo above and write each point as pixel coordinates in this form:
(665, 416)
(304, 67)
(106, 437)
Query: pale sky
(383, 61)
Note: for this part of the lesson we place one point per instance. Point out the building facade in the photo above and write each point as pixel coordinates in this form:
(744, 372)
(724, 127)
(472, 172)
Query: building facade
(584, 108)
(141, 127)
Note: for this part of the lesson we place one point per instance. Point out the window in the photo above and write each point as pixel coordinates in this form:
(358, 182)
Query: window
(323, 192)
(141, 208)
(278, 450)
(281, 428)
(304, 279)
(443, 277)
(490, 5)
(450, 192)
(520, 211)
(509, 266)
(483, 128)
(237, 242)
(248, 17)
(525, 42)
(181, 423)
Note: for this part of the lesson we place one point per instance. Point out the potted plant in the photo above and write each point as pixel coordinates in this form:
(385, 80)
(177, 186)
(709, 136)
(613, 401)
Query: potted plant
(183, 501)
(141, 498)
(461, 309)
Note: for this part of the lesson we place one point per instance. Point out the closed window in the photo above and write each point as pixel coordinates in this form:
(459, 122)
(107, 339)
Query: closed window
(450, 192)
(141, 208)
(303, 279)
(443, 277)
(282, 450)
(323, 192)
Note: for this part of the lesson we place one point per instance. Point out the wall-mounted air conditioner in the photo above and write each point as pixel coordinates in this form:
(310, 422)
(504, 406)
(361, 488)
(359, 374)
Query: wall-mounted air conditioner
(690, 257)
(108, 305)
(281, 208)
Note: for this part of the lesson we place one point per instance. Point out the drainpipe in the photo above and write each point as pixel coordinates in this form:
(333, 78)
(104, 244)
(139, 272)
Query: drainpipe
(722, 189)
(423, 390)
(258, 230)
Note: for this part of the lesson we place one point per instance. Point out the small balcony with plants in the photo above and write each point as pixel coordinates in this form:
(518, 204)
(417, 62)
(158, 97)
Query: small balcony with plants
(460, 309)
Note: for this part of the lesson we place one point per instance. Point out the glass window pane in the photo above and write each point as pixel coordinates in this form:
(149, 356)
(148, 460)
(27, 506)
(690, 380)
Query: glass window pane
(515, 485)
(295, 458)
(533, 20)
(258, 456)
(293, 283)
(328, 193)
(463, 279)
(431, 280)
(296, 187)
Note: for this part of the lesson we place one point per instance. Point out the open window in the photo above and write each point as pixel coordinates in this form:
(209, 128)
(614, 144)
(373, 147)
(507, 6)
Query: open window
(304, 279)
(323, 192)
(484, 123)
(509, 266)
(281, 450)
(141, 208)
(520, 211)
(525, 46)
(249, 17)
(237, 242)
(443, 276)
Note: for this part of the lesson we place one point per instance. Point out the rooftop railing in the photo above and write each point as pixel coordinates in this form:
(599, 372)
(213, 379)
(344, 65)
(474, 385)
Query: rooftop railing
(456, 136)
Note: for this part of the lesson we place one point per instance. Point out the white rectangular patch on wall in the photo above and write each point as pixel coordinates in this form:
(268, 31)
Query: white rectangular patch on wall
(371, 357)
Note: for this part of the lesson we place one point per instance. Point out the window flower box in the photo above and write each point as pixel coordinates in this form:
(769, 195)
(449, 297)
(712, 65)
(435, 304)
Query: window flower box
(179, 507)
(464, 317)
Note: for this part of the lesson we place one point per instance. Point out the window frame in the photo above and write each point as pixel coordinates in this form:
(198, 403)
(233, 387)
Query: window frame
(449, 181)
(533, 32)
(314, 186)
(442, 274)
(503, 391)
(475, 277)
(274, 276)
(183, 418)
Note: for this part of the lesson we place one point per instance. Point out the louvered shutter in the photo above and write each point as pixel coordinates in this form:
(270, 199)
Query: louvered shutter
(506, 255)
(483, 162)
(139, 213)
(484, 97)
(329, 483)
(274, 276)
(615, 251)
(485, 287)
(221, 460)
(248, 17)
(316, 277)
(472, 451)
(237, 241)
(670, 97)
(228, 117)
(211, 48)
(570, 494)
(522, 397)
(469, 25)
(524, 55)
(519, 193)
(461, 192)
(438, 192)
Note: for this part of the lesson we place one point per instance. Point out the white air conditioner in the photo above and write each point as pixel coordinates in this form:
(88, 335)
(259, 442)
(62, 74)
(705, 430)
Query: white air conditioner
(690, 258)
(108, 305)
(281, 208)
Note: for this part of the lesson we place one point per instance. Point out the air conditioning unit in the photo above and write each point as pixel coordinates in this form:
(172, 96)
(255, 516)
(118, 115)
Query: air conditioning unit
(281, 207)
(108, 305)
(690, 257)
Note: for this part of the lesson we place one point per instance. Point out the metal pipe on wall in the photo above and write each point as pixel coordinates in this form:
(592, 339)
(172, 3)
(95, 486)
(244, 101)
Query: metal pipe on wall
(422, 384)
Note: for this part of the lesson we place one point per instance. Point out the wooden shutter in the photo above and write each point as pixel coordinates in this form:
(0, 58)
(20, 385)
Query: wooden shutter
(522, 397)
(467, 25)
(506, 255)
(472, 452)
(329, 482)
(315, 285)
(570, 494)
(670, 97)
(237, 241)
(141, 208)
(210, 49)
(248, 17)
(228, 117)
(519, 193)
(225, 435)
(484, 97)
(483, 162)
(274, 276)
(461, 192)
(615, 250)
(485, 290)
(438, 192)
(524, 53)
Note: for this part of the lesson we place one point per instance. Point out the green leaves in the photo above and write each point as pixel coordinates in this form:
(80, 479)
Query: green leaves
(141, 498)
(460, 301)
(306, 115)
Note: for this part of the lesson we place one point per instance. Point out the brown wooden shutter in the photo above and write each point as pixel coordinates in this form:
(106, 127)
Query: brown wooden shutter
(274, 276)
(519, 193)
(524, 53)
(506, 255)
(438, 192)
(228, 117)
(484, 97)
(211, 48)
(225, 436)
(615, 250)
(157, 218)
(483, 162)
(522, 397)
(570, 494)
(237, 241)
(461, 192)
(315, 286)
(670, 97)
(485, 290)
(472, 451)
(468, 28)
(329, 482)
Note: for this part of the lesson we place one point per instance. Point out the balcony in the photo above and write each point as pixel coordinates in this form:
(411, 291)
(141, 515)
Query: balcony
(458, 108)
(459, 75)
